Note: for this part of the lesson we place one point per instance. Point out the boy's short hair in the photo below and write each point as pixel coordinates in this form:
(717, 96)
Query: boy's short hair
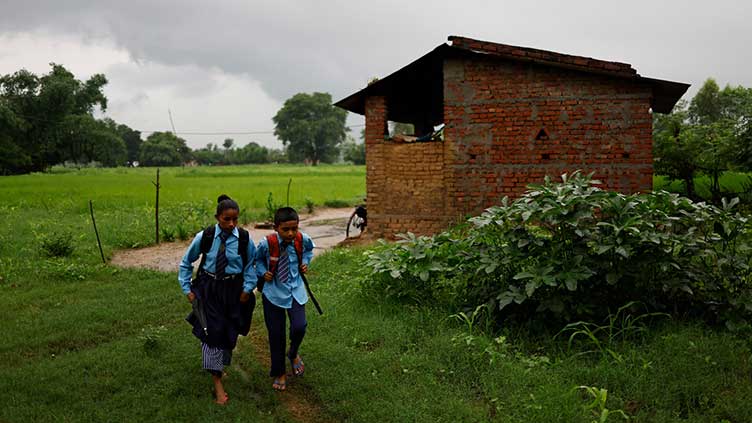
(285, 214)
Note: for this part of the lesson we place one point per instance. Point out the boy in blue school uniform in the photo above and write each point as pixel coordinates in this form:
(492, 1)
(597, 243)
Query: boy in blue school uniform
(222, 292)
(281, 258)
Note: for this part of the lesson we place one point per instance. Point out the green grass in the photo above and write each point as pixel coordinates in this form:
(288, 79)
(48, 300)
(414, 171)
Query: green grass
(41, 204)
(730, 182)
(82, 341)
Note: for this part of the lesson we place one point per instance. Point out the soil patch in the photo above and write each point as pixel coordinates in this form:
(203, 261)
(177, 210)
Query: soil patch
(325, 226)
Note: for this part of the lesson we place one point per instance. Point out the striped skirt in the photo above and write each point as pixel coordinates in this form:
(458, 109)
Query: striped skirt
(215, 359)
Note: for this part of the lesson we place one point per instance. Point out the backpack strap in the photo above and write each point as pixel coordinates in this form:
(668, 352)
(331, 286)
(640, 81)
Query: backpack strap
(243, 246)
(273, 243)
(299, 247)
(207, 238)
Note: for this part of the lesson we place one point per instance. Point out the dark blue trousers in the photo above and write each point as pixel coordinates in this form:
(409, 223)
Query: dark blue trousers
(275, 318)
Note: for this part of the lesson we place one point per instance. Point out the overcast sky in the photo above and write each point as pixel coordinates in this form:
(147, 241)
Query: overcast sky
(229, 65)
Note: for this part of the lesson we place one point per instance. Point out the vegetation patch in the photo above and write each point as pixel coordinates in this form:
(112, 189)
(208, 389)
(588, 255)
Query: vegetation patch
(570, 251)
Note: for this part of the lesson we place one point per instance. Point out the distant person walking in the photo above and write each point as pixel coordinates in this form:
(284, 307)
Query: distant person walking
(221, 293)
(281, 259)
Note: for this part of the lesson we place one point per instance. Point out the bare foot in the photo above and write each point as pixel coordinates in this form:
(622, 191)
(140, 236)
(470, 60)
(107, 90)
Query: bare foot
(220, 396)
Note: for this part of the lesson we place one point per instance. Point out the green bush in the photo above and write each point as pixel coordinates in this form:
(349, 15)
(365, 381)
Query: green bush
(309, 205)
(167, 234)
(57, 245)
(573, 251)
(182, 232)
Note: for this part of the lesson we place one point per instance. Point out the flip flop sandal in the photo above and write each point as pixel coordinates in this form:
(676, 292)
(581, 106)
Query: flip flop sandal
(227, 399)
(279, 384)
(297, 369)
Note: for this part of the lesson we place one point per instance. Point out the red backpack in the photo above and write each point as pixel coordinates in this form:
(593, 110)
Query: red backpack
(273, 243)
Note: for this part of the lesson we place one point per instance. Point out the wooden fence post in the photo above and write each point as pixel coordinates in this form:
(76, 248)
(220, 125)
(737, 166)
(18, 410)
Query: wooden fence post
(156, 208)
(94, 222)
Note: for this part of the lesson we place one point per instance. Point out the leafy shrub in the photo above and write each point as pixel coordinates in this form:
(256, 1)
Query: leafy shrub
(309, 204)
(412, 268)
(57, 244)
(574, 251)
(182, 232)
(167, 235)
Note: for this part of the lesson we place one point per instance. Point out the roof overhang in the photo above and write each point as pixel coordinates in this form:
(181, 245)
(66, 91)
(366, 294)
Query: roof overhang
(415, 92)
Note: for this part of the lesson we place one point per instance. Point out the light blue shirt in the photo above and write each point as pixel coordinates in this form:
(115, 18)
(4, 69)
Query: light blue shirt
(234, 260)
(281, 294)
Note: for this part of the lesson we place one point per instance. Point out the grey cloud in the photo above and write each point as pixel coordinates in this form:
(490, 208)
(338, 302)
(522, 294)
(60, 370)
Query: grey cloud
(293, 46)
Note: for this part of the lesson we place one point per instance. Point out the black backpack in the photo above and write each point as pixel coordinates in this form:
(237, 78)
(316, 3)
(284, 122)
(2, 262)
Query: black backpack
(208, 238)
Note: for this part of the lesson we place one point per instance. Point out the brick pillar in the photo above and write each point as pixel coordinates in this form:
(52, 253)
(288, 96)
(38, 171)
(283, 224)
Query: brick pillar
(376, 124)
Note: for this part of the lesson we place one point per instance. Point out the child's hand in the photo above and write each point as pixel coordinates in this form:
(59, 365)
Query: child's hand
(191, 296)
(304, 268)
(244, 297)
(268, 276)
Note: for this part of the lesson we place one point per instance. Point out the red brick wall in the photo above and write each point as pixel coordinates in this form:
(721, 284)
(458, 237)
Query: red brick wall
(404, 181)
(494, 109)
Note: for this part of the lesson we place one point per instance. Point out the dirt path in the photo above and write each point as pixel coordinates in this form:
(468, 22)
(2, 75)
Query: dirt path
(296, 398)
(325, 226)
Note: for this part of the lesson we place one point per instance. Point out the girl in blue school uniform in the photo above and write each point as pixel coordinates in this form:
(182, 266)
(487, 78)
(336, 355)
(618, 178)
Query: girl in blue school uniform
(284, 294)
(222, 290)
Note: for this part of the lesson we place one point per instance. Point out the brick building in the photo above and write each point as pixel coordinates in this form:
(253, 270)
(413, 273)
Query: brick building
(511, 116)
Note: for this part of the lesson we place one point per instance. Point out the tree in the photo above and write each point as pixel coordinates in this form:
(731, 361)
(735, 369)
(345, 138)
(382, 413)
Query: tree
(33, 112)
(354, 152)
(131, 137)
(705, 106)
(13, 158)
(228, 144)
(109, 149)
(673, 153)
(208, 155)
(310, 127)
(91, 140)
(164, 149)
(253, 153)
(277, 156)
(709, 136)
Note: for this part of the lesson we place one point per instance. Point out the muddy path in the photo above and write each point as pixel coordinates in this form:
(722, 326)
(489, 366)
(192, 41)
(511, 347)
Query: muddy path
(325, 226)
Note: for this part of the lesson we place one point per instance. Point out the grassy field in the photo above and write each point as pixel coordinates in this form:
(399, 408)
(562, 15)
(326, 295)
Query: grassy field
(82, 341)
(730, 181)
(46, 204)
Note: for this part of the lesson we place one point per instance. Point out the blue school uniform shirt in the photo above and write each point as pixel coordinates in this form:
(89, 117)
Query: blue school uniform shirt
(234, 260)
(281, 294)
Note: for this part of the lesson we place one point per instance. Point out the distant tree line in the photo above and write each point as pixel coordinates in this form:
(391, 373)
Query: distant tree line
(49, 119)
(708, 135)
